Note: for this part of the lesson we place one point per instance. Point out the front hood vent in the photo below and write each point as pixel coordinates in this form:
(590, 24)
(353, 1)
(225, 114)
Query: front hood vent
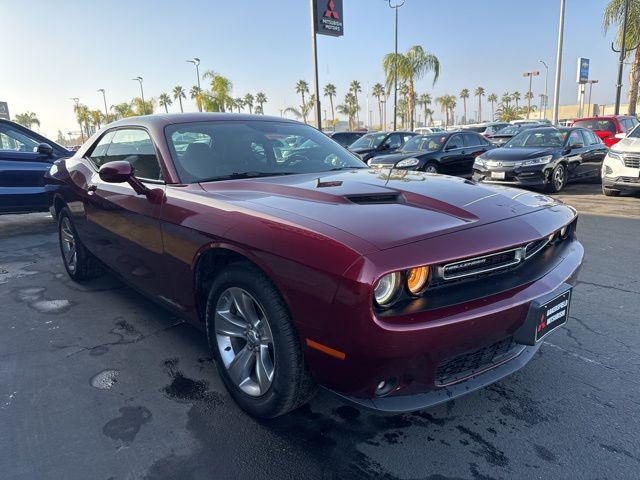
(376, 199)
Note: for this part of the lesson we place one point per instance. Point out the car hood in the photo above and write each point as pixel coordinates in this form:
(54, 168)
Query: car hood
(362, 150)
(395, 157)
(628, 145)
(512, 154)
(384, 212)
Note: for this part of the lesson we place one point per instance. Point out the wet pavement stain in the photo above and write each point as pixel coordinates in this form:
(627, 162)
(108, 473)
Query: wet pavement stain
(128, 424)
(34, 297)
(182, 388)
(544, 453)
(488, 451)
(105, 379)
(125, 332)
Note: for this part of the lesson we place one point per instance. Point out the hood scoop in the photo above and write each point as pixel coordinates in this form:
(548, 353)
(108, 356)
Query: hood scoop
(376, 198)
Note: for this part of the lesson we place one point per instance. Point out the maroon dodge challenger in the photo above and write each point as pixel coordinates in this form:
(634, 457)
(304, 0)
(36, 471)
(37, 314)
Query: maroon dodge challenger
(397, 290)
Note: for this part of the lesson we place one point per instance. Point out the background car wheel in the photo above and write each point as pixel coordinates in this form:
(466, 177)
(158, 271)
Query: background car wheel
(253, 341)
(431, 167)
(609, 192)
(558, 179)
(77, 260)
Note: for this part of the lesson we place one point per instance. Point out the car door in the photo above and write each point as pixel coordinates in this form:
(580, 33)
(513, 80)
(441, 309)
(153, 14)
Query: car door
(573, 156)
(454, 156)
(122, 228)
(593, 155)
(475, 145)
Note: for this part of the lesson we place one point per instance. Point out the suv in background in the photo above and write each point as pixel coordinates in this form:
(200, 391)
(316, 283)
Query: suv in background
(621, 166)
(610, 129)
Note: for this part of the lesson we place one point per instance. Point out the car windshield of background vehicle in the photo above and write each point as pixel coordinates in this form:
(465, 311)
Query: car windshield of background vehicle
(207, 151)
(603, 125)
(372, 140)
(538, 139)
(635, 133)
(14, 141)
(510, 130)
(427, 143)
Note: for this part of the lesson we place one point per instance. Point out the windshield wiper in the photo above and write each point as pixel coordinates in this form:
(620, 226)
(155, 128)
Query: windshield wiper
(250, 174)
(335, 169)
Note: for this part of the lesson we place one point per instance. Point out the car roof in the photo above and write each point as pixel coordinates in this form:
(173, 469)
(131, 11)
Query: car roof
(161, 120)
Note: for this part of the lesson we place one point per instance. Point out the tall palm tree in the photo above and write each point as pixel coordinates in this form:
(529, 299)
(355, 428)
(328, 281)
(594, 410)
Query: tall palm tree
(479, 92)
(378, 92)
(428, 113)
(355, 88)
(261, 99)
(528, 97)
(613, 15)
(27, 119)
(122, 110)
(464, 94)
(506, 98)
(425, 100)
(220, 97)
(492, 99)
(179, 94)
(349, 108)
(140, 108)
(96, 119)
(83, 117)
(164, 100)
(447, 104)
(248, 102)
(516, 97)
(302, 87)
(239, 104)
(411, 66)
(330, 91)
(196, 94)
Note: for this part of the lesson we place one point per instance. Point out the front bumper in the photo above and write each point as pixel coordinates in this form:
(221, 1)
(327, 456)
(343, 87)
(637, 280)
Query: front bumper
(617, 176)
(531, 176)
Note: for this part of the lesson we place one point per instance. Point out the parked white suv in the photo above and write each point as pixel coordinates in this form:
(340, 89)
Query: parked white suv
(621, 166)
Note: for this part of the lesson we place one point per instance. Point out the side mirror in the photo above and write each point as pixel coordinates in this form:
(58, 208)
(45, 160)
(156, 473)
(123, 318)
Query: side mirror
(44, 149)
(383, 146)
(621, 135)
(116, 172)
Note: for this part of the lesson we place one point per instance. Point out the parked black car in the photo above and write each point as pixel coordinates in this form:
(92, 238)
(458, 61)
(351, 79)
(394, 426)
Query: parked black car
(346, 138)
(505, 134)
(544, 157)
(446, 152)
(25, 156)
(379, 143)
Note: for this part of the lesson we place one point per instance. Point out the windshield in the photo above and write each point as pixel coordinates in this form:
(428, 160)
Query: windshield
(204, 151)
(427, 143)
(538, 138)
(371, 140)
(635, 133)
(606, 125)
(510, 130)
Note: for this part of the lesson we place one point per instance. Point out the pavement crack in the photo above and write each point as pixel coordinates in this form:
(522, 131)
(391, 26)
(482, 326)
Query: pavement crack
(608, 287)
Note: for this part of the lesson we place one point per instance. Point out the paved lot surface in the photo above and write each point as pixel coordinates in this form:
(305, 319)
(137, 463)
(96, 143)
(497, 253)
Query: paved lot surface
(98, 383)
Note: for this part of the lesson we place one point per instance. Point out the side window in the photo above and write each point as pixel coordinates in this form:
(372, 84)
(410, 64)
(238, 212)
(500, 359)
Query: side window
(99, 152)
(394, 140)
(455, 142)
(575, 137)
(592, 137)
(14, 141)
(135, 147)
(471, 140)
(406, 138)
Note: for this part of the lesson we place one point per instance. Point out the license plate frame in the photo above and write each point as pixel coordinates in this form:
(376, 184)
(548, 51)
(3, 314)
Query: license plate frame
(498, 175)
(545, 315)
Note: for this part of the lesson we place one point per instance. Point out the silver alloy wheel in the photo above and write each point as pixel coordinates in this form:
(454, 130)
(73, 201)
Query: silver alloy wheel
(245, 341)
(558, 177)
(68, 244)
(431, 169)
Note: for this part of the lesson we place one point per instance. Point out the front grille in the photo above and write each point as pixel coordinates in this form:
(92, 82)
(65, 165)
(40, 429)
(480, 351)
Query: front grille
(484, 264)
(631, 161)
(471, 363)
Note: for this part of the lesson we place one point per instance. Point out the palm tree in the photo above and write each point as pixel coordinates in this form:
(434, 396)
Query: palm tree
(248, 102)
(293, 110)
(238, 103)
(349, 108)
(355, 88)
(196, 94)
(506, 98)
(425, 100)
(464, 94)
(447, 105)
(96, 118)
(613, 14)
(378, 92)
(330, 91)
(27, 119)
(179, 94)
(261, 99)
(122, 110)
(83, 117)
(516, 97)
(220, 97)
(507, 113)
(528, 97)
(140, 108)
(411, 66)
(428, 113)
(164, 100)
(479, 93)
(302, 87)
(492, 99)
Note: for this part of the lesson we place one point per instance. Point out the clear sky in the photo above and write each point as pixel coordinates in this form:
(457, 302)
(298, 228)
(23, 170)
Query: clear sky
(54, 50)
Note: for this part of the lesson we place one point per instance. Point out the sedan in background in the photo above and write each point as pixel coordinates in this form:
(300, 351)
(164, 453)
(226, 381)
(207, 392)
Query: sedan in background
(610, 129)
(545, 157)
(505, 134)
(346, 138)
(25, 157)
(451, 153)
(486, 129)
(379, 143)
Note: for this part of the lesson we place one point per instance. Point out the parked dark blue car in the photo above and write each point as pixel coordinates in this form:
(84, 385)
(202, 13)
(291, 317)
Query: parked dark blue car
(25, 156)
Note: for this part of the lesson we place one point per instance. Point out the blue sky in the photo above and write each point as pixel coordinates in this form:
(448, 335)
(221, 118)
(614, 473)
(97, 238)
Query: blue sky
(57, 50)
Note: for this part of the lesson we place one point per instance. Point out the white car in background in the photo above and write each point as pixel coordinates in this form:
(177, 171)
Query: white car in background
(427, 130)
(621, 166)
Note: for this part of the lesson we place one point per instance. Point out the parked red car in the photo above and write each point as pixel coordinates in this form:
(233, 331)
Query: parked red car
(395, 289)
(608, 128)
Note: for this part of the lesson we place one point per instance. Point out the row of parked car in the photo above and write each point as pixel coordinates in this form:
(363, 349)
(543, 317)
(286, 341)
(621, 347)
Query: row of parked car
(530, 154)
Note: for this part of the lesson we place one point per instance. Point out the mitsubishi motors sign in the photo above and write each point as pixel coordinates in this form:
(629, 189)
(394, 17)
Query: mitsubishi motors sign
(328, 17)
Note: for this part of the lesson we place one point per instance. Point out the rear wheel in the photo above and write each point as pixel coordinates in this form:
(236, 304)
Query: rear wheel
(431, 167)
(558, 179)
(78, 262)
(253, 341)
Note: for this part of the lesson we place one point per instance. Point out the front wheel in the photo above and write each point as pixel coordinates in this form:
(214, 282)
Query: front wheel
(78, 262)
(558, 179)
(253, 341)
(431, 167)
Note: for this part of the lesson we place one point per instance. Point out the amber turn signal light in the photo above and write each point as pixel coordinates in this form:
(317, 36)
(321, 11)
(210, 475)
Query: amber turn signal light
(417, 280)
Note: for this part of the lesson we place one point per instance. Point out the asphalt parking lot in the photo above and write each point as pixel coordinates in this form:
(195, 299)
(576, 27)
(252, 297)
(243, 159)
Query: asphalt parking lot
(97, 382)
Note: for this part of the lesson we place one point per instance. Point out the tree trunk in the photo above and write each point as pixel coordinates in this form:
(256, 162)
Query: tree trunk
(357, 110)
(333, 114)
(493, 113)
(304, 109)
(411, 104)
(479, 108)
(380, 112)
(464, 107)
(634, 78)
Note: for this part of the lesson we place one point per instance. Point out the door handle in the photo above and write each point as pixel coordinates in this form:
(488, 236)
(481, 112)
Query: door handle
(92, 188)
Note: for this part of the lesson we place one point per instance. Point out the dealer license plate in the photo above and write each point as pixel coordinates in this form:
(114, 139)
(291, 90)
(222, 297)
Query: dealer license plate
(553, 314)
(498, 175)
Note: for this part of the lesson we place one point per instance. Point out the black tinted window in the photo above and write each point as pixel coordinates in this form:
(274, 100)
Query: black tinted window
(16, 141)
(455, 142)
(135, 147)
(471, 140)
(99, 152)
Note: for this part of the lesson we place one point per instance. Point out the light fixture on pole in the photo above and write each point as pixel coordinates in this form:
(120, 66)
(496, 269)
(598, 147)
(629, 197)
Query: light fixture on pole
(144, 105)
(556, 84)
(395, 6)
(590, 82)
(104, 98)
(196, 63)
(546, 87)
(530, 75)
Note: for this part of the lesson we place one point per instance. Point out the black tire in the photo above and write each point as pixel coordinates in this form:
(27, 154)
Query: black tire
(86, 267)
(609, 192)
(292, 385)
(431, 167)
(558, 179)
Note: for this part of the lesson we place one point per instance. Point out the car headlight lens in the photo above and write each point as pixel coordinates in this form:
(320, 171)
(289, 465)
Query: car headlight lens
(387, 288)
(538, 161)
(480, 161)
(564, 232)
(417, 279)
(615, 156)
(408, 162)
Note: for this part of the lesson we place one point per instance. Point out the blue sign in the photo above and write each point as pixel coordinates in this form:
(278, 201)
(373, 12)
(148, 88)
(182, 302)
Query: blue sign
(583, 70)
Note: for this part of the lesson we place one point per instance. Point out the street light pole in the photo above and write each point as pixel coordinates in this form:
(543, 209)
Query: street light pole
(144, 105)
(316, 82)
(196, 63)
(546, 86)
(556, 85)
(104, 97)
(395, 67)
(590, 82)
(623, 54)
(76, 100)
(530, 75)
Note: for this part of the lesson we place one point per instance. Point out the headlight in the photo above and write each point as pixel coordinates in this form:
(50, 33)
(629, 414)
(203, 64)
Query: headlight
(538, 161)
(615, 156)
(387, 288)
(564, 231)
(480, 161)
(408, 162)
(417, 279)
